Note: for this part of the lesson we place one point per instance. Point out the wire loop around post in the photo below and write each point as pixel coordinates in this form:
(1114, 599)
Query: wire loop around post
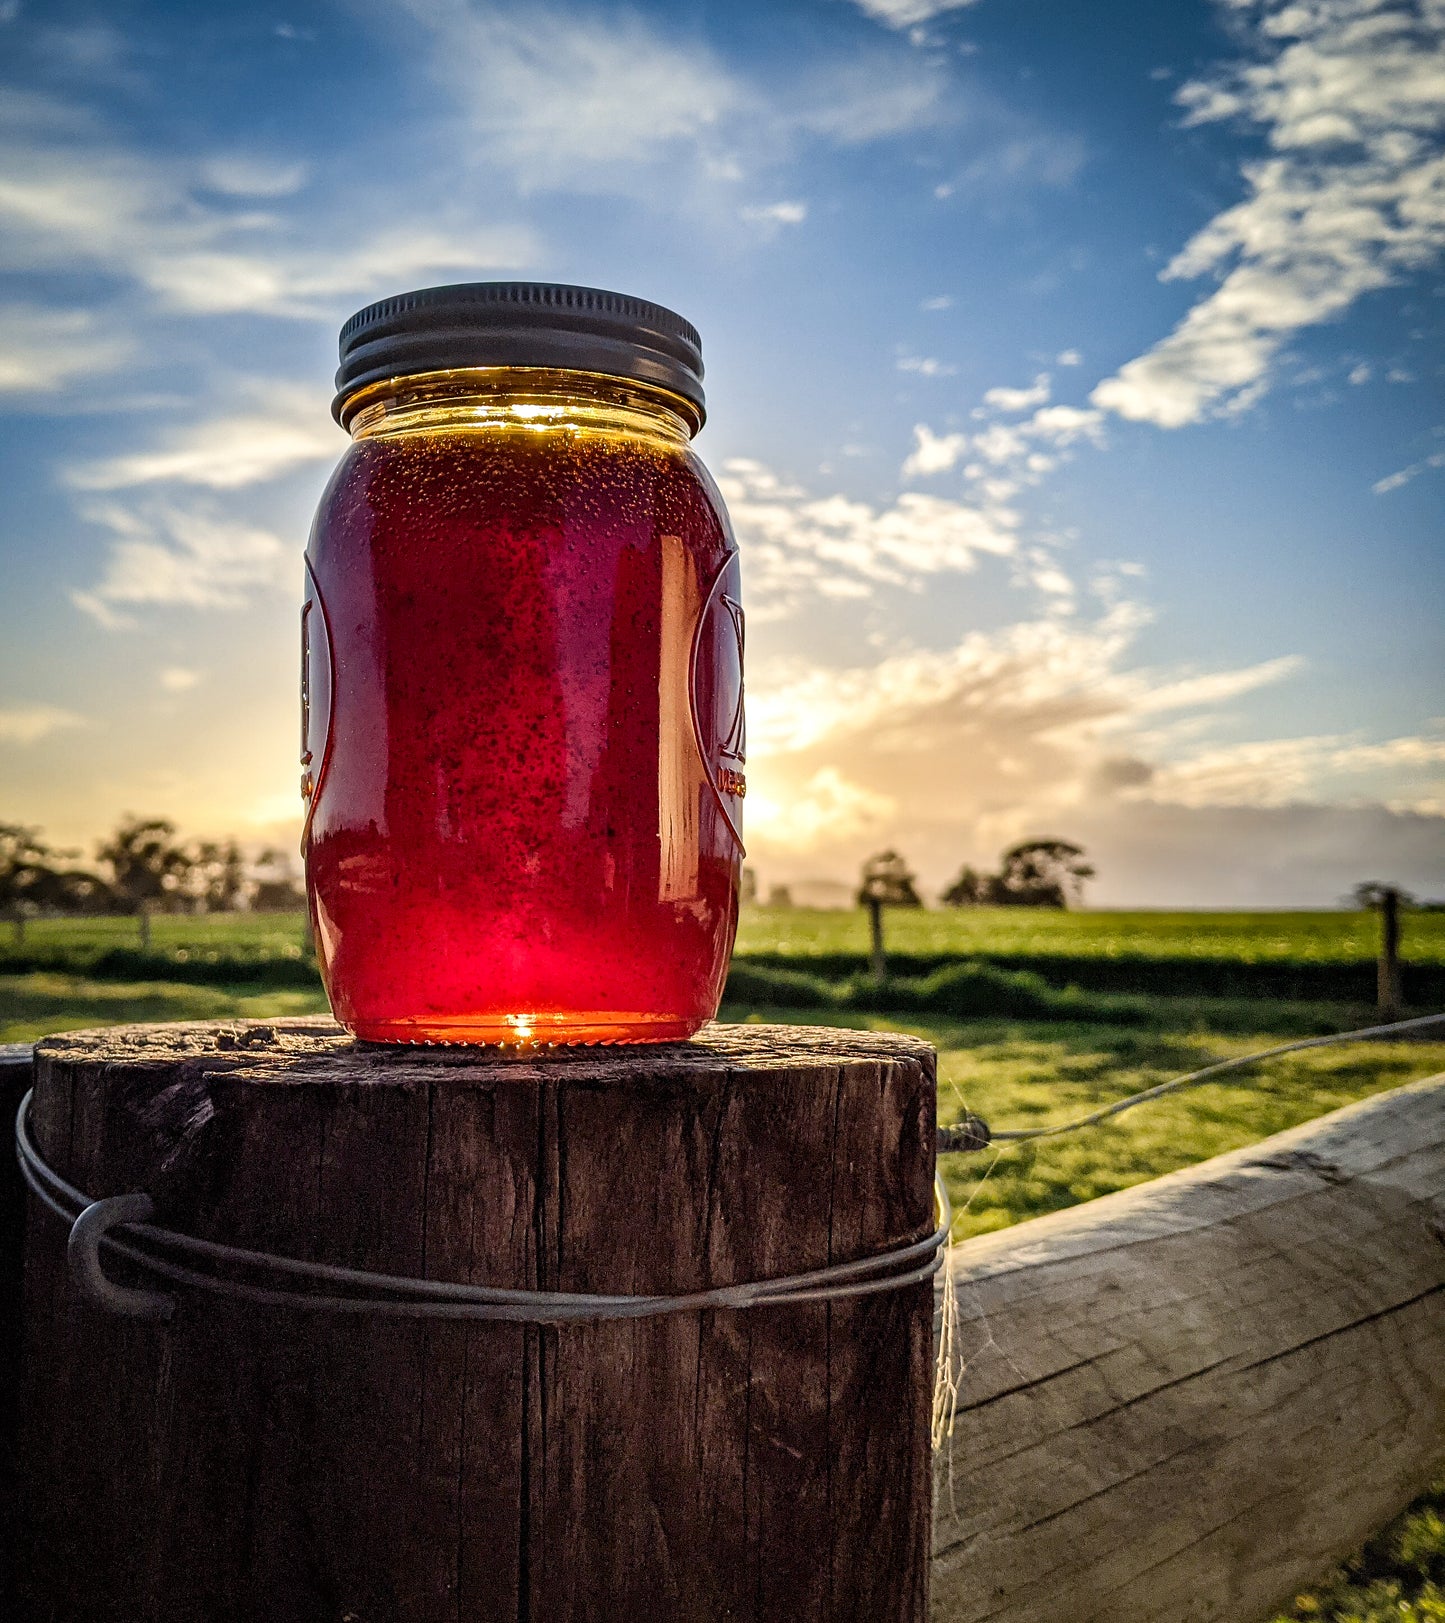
(122, 1225)
(82, 1251)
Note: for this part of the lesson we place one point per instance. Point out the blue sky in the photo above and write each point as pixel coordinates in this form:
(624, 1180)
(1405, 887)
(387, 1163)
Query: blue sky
(1075, 377)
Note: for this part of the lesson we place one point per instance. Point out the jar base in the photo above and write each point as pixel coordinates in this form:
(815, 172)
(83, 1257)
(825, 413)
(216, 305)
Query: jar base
(529, 1031)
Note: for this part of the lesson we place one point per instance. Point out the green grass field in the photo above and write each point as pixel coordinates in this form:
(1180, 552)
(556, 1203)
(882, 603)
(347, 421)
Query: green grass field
(1300, 937)
(1320, 938)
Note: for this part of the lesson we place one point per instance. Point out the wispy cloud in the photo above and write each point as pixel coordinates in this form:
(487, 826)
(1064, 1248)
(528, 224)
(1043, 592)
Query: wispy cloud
(563, 96)
(249, 175)
(1014, 158)
(1413, 470)
(1408, 772)
(572, 99)
(29, 723)
(1350, 96)
(286, 428)
(196, 557)
(187, 231)
(44, 350)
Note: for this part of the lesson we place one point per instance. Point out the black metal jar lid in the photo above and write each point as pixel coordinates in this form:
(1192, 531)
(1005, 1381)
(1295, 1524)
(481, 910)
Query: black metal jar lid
(545, 324)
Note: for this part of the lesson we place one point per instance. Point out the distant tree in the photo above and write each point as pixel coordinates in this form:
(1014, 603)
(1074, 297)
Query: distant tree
(275, 887)
(1371, 894)
(1040, 873)
(888, 880)
(748, 888)
(25, 866)
(970, 889)
(148, 869)
(217, 878)
(779, 896)
(31, 883)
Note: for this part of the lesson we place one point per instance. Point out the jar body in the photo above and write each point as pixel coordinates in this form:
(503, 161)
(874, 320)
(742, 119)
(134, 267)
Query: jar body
(523, 730)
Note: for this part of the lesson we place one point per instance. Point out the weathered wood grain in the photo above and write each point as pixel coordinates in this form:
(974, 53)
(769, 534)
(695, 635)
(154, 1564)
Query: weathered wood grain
(244, 1463)
(1183, 1402)
(15, 1074)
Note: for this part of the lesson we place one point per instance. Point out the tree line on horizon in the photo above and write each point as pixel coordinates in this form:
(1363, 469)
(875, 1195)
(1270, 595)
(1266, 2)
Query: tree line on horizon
(1034, 873)
(142, 868)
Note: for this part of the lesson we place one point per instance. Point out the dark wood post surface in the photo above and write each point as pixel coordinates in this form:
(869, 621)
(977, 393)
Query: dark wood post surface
(245, 1462)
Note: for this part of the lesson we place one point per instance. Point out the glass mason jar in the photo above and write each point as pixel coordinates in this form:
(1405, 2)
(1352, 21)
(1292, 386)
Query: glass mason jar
(523, 745)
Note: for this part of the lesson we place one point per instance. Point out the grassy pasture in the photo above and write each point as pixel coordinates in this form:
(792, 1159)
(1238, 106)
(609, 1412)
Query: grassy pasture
(1004, 932)
(998, 932)
(1298, 957)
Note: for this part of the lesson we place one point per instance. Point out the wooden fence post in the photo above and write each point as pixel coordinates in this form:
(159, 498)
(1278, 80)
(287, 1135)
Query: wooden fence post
(244, 1462)
(1388, 979)
(15, 1074)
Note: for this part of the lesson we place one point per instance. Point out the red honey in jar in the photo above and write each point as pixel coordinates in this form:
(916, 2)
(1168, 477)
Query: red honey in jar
(523, 746)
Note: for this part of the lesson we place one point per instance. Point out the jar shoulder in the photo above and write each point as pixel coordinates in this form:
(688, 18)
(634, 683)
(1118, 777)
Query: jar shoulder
(387, 482)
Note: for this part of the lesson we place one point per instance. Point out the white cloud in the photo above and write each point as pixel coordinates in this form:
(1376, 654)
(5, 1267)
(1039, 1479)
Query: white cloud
(940, 301)
(1016, 400)
(933, 453)
(189, 557)
(288, 427)
(1351, 98)
(775, 214)
(1069, 357)
(29, 723)
(177, 679)
(795, 543)
(925, 366)
(1006, 447)
(909, 13)
(42, 350)
(1063, 425)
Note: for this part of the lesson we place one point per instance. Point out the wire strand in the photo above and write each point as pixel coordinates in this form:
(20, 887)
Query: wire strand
(1019, 1135)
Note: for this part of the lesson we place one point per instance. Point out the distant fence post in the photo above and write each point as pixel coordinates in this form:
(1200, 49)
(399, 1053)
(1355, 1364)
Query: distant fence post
(245, 1461)
(878, 961)
(1388, 993)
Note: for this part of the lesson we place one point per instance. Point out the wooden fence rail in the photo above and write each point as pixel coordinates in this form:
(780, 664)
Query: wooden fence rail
(1184, 1402)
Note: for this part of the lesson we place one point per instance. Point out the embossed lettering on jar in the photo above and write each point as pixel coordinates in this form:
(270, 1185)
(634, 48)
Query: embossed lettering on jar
(524, 757)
